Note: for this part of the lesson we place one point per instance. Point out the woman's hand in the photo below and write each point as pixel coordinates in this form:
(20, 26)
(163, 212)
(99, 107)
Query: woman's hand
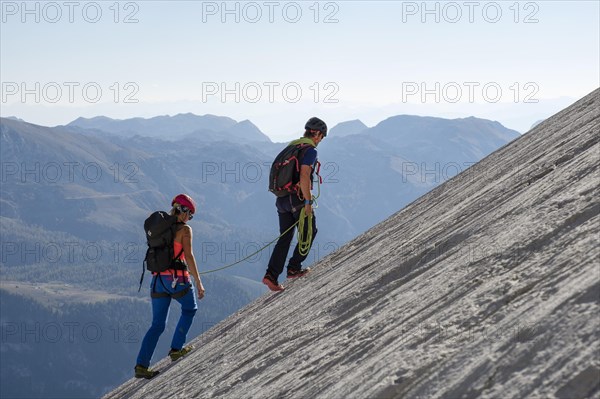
(200, 291)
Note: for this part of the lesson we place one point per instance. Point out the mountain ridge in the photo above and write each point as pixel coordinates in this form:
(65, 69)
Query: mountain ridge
(348, 128)
(178, 126)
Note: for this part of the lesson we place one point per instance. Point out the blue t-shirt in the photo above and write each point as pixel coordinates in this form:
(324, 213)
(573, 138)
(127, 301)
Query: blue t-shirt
(310, 157)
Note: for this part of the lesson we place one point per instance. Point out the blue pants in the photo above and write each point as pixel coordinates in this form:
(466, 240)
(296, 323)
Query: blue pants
(160, 311)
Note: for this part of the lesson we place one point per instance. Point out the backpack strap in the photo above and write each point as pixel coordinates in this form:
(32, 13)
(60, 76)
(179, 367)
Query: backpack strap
(178, 264)
(304, 141)
(179, 254)
(177, 258)
(143, 270)
(303, 148)
(318, 172)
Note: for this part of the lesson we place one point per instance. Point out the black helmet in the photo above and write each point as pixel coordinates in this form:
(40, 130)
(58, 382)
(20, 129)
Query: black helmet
(315, 123)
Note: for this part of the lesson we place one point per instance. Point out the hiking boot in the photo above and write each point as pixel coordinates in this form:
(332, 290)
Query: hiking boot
(272, 283)
(145, 372)
(178, 354)
(294, 273)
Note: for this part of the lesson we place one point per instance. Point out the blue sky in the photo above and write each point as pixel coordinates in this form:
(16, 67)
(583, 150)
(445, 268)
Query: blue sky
(515, 62)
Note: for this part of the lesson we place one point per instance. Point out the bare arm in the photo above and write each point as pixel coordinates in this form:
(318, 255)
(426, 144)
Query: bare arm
(305, 172)
(186, 241)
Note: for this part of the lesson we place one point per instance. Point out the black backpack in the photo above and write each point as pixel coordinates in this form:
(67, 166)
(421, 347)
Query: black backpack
(285, 170)
(160, 229)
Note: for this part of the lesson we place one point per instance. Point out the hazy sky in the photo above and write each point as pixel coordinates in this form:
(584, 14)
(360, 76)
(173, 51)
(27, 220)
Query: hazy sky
(278, 63)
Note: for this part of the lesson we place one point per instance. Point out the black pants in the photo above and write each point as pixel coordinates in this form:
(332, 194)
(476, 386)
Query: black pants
(288, 209)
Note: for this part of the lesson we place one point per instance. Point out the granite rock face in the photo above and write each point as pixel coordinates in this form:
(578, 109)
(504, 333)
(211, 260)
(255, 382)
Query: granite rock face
(488, 286)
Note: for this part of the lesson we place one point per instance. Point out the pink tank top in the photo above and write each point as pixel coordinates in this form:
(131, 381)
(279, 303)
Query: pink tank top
(178, 247)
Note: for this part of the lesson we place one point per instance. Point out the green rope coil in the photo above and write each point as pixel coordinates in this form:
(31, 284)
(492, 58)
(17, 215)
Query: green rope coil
(304, 234)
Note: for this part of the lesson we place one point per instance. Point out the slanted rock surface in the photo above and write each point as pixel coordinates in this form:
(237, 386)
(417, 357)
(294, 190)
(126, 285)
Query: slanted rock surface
(488, 286)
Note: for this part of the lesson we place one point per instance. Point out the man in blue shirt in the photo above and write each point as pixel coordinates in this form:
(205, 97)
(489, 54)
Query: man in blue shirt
(289, 208)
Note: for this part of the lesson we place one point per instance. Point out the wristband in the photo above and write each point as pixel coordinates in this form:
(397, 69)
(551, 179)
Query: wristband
(308, 202)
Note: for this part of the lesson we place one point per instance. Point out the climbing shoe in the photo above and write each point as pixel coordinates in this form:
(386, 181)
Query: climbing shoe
(178, 354)
(145, 372)
(272, 283)
(292, 273)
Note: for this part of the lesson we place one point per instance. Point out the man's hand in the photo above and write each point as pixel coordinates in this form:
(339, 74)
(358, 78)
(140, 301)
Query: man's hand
(308, 209)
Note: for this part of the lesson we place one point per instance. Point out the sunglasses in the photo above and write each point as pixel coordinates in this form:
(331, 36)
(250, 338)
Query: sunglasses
(188, 211)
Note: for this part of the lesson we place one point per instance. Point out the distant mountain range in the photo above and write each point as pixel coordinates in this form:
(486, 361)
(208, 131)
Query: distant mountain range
(74, 197)
(205, 127)
(110, 179)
